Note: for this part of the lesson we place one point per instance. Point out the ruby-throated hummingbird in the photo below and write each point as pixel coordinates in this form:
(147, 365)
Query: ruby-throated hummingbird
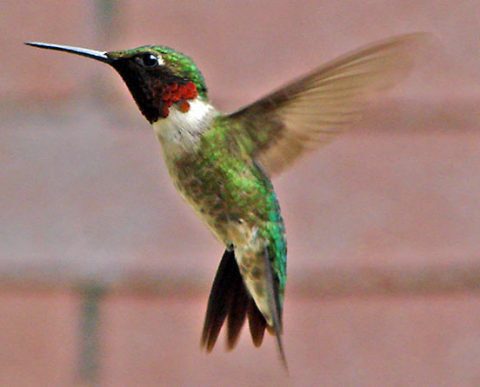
(222, 163)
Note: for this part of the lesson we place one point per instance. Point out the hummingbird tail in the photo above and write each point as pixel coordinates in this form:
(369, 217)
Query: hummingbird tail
(229, 300)
(275, 309)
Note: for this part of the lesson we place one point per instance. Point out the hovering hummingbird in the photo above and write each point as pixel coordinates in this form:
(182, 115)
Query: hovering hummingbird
(222, 163)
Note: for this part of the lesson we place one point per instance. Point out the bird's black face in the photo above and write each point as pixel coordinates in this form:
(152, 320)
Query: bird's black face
(154, 85)
(153, 74)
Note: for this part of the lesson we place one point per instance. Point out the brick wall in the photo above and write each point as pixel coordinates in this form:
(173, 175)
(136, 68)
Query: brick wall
(383, 224)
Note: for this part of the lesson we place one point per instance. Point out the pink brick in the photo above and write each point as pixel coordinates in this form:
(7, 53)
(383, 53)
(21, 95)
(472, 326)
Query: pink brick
(29, 73)
(414, 341)
(388, 199)
(38, 338)
(246, 51)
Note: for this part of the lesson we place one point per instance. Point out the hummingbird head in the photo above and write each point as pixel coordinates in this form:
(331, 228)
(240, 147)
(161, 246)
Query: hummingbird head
(159, 78)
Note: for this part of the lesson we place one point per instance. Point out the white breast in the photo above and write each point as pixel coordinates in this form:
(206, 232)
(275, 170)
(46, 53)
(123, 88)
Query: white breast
(184, 129)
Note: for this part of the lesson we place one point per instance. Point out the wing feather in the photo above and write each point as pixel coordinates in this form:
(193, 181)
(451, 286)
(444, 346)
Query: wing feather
(309, 112)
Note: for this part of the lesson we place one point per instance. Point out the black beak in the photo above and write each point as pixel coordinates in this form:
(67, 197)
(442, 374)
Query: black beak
(98, 55)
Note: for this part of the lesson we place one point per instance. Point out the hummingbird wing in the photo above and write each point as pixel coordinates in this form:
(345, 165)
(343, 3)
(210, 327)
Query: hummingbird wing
(309, 112)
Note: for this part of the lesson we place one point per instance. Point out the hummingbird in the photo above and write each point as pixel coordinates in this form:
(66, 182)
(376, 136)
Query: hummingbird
(222, 164)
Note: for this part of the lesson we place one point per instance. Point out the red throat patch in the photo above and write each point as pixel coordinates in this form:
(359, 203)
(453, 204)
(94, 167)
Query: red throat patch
(180, 94)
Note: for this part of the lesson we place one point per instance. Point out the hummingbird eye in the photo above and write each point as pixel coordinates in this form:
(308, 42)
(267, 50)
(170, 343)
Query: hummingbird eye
(147, 60)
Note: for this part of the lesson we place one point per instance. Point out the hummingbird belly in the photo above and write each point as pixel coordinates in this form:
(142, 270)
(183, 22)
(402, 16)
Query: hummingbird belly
(212, 202)
(239, 206)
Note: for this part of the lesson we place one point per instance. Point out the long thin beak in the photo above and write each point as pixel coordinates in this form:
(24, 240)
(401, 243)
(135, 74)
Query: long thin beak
(98, 55)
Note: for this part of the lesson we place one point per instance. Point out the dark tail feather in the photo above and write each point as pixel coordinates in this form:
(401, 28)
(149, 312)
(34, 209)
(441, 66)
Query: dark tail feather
(220, 300)
(257, 323)
(237, 312)
(229, 299)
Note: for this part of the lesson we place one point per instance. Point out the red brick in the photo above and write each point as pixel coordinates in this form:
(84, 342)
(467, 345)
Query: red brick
(28, 73)
(150, 341)
(38, 337)
(250, 49)
(414, 341)
(106, 206)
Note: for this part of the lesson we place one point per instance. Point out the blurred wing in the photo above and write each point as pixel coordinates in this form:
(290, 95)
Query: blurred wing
(312, 110)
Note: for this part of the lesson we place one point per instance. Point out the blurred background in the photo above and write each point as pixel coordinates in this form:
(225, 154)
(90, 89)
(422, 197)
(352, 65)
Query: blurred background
(105, 272)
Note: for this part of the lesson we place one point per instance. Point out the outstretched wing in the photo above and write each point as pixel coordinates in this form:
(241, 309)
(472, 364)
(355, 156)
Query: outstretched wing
(312, 110)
